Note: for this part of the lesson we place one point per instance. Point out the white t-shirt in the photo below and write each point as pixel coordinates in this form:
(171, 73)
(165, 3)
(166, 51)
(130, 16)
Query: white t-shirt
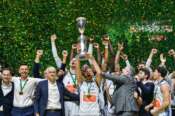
(89, 99)
(26, 99)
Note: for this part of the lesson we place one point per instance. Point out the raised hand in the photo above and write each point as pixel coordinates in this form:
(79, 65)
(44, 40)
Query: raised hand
(124, 56)
(39, 53)
(91, 40)
(162, 58)
(120, 46)
(96, 45)
(154, 51)
(88, 55)
(53, 37)
(74, 46)
(64, 53)
(171, 52)
(105, 40)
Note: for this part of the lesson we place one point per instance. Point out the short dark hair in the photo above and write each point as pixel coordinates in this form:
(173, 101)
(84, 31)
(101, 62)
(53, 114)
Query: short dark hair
(146, 71)
(162, 70)
(23, 64)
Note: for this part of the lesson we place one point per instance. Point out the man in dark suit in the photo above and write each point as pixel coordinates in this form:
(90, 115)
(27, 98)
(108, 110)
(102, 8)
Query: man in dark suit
(50, 95)
(6, 93)
(123, 97)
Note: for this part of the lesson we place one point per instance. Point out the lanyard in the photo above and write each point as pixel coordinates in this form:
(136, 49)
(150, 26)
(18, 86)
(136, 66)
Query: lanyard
(73, 79)
(22, 87)
(89, 87)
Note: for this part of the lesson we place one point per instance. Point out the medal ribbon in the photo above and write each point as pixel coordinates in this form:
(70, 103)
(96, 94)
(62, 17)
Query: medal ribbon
(22, 87)
(89, 87)
(73, 79)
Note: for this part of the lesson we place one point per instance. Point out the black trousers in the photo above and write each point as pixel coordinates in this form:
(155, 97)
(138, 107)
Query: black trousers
(53, 113)
(127, 114)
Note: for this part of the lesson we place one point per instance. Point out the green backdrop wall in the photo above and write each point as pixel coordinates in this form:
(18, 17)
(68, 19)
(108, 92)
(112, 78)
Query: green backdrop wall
(27, 24)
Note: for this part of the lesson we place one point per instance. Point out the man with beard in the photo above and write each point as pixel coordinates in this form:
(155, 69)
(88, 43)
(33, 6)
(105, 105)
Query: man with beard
(89, 85)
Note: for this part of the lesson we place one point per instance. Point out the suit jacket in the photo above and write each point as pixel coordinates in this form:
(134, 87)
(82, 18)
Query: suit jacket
(6, 101)
(41, 95)
(123, 96)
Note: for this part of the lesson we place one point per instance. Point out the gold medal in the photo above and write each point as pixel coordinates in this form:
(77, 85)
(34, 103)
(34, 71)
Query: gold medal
(22, 87)
(89, 95)
(75, 86)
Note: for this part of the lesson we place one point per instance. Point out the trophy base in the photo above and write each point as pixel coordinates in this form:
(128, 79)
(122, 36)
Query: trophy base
(82, 56)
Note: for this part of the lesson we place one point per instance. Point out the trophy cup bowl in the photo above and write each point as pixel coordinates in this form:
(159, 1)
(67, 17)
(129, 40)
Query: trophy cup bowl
(81, 22)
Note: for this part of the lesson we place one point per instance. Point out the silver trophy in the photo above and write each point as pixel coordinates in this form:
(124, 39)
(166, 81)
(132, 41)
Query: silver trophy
(81, 22)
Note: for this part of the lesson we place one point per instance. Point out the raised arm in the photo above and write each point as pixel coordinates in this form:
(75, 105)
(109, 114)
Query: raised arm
(36, 67)
(162, 60)
(105, 56)
(106, 53)
(78, 72)
(97, 69)
(115, 78)
(72, 55)
(63, 65)
(65, 54)
(96, 45)
(149, 60)
(54, 51)
(90, 48)
(111, 49)
(117, 57)
(125, 58)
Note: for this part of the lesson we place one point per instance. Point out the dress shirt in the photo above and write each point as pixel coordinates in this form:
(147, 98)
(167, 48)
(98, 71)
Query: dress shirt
(26, 99)
(53, 96)
(6, 88)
